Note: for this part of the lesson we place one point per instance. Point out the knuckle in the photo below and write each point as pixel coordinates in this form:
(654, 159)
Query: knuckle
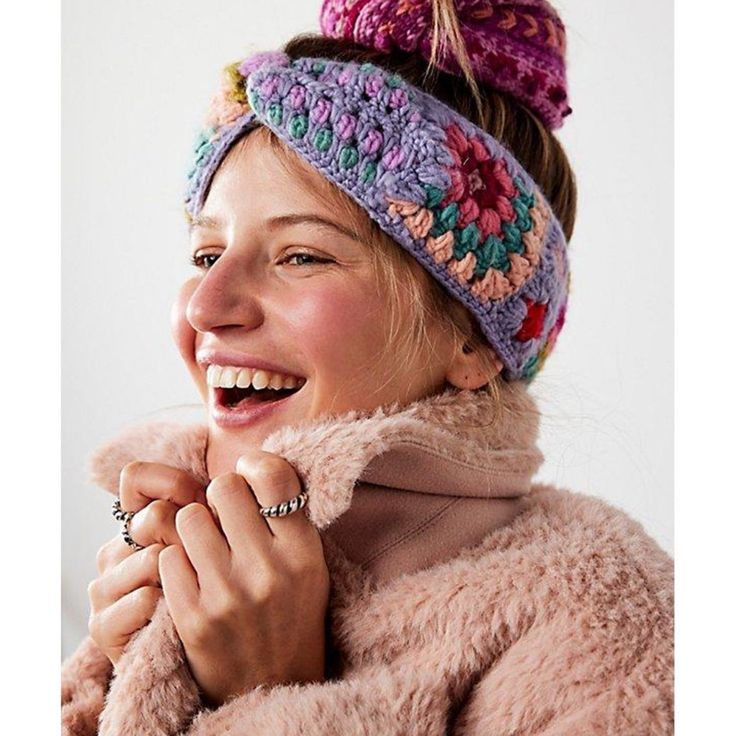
(264, 590)
(180, 486)
(273, 470)
(93, 589)
(305, 565)
(224, 485)
(166, 552)
(223, 608)
(106, 554)
(152, 552)
(130, 472)
(99, 627)
(148, 595)
(93, 627)
(190, 516)
(158, 511)
(101, 558)
(198, 630)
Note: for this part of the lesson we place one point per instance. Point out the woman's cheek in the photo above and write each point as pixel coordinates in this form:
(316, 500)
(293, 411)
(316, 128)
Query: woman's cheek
(337, 326)
(184, 334)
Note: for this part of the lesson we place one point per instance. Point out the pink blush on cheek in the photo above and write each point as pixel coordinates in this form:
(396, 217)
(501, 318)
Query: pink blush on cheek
(337, 328)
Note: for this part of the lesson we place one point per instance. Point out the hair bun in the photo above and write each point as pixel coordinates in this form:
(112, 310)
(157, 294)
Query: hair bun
(515, 47)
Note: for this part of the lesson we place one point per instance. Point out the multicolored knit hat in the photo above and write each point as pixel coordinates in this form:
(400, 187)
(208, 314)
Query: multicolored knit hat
(516, 47)
(446, 191)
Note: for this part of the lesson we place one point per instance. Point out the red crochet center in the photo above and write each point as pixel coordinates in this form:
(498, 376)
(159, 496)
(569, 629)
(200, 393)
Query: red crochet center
(533, 323)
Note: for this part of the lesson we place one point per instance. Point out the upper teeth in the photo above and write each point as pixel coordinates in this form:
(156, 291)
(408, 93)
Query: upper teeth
(227, 376)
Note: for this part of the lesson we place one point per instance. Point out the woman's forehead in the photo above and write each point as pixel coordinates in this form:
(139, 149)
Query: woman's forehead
(259, 166)
(260, 150)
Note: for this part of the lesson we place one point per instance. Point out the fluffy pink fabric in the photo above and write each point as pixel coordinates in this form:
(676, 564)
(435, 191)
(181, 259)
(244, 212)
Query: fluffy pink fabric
(558, 622)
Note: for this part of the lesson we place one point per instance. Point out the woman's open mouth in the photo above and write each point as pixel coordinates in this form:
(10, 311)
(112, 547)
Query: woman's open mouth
(234, 398)
(237, 406)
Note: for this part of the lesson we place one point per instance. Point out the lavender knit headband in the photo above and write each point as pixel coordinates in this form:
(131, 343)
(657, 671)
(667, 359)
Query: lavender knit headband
(445, 190)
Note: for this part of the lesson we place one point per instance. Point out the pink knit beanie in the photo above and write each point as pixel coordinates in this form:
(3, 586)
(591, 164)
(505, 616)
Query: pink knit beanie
(515, 47)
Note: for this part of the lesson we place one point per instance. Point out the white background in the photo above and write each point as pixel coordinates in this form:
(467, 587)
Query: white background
(136, 79)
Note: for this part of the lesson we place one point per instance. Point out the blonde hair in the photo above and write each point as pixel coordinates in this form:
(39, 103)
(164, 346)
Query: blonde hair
(408, 286)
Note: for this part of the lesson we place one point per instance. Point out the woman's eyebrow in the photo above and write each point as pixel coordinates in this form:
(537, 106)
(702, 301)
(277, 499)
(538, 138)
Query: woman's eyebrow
(213, 223)
(295, 219)
(204, 222)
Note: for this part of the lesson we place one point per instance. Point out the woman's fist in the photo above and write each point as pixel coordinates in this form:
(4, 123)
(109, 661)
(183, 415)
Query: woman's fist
(124, 595)
(247, 593)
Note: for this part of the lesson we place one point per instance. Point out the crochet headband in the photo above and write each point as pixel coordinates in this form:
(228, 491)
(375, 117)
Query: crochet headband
(447, 192)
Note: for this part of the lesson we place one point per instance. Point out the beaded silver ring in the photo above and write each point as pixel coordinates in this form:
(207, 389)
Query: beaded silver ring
(287, 507)
(125, 517)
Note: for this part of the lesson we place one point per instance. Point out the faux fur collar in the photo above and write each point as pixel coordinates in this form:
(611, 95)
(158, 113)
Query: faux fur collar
(457, 442)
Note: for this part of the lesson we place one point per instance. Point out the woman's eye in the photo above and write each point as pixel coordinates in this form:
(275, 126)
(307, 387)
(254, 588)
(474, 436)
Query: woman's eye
(312, 258)
(201, 261)
(207, 260)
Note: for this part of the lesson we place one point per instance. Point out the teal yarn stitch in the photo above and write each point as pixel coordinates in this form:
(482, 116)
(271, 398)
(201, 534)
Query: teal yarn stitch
(323, 139)
(255, 101)
(523, 219)
(298, 126)
(495, 251)
(434, 196)
(512, 238)
(368, 174)
(467, 240)
(203, 145)
(275, 113)
(526, 197)
(445, 220)
(203, 148)
(348, 157)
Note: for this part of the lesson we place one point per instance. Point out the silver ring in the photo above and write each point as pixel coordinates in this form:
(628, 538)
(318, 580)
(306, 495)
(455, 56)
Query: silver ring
(117, 512)
(126, 517)
(287, 507)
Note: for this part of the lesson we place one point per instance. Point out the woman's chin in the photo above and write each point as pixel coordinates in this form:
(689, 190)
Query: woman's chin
(230, 429)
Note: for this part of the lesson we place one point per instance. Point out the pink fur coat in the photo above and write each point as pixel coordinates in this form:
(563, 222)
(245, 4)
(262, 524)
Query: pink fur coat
(465, 599)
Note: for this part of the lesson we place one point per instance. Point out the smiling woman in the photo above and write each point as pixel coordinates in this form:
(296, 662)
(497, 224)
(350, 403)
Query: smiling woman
(353, 543)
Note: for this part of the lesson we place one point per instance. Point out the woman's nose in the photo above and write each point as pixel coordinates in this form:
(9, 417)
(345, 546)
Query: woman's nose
(223, 298)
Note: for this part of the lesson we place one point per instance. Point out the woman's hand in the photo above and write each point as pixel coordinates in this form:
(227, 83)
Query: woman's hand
(249, 602)
(124, 596)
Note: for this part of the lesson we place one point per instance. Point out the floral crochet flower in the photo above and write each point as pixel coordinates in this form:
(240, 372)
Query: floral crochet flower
(481, 186)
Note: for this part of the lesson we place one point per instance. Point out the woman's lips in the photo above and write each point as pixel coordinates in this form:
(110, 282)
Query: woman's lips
(246, 412)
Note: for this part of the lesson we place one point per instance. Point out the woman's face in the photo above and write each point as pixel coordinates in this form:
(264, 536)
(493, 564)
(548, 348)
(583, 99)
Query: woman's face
(280, 279)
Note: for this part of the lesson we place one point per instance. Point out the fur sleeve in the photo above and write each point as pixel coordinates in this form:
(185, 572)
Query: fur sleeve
(383, 701)
(152, 692)
(85, 676)
(569, 679)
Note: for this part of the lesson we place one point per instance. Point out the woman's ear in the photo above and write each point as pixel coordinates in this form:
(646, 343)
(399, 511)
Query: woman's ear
(466, 370)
